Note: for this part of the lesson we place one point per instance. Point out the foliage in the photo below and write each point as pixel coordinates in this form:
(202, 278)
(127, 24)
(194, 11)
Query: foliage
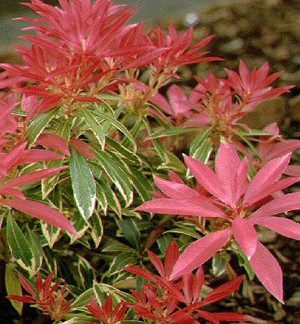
(89, 123)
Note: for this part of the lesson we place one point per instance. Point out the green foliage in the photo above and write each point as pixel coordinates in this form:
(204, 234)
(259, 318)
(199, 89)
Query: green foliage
(83, 185)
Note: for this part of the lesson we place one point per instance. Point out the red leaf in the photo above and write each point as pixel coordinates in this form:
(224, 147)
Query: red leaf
(222, 291)
(138, 271)
(172, 255)
(53, 141)
(23, 299)
(231, 316)
(82, 148)
(37, 155)
(157, 263)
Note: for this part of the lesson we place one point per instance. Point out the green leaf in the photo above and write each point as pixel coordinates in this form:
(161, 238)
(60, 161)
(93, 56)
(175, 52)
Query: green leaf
(175, 131)
(254, 132)
(85, 272)
(172, 162)
(37, 251)
(160, 149)
(50, 261)
(243, 261)
(120, 127)
(102, 290)
(163, 242)
(101, 198)
(201, 146)
(97, 228)
(81, 225)
(38, 125)
(83, 184)
(119, 262)
(130, 231)
(141, 184)
(83, 299)
(13, 286)
(113, 245)
(246, 140)
(203, 152)
(185, 231)
(219, 261)
(94, 125)
(117, 173)
(2, 216)
(103, 188)
(199, 139)
(135, 130)
(169, 160)
(51, 233)
(123, 151)
(18, 244)
(78, 318)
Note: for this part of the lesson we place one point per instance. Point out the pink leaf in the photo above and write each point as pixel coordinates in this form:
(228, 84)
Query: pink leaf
(279, 205)
(241, 180)
(283, 226)
(43, 212)
(180, 191)
(268, 271)
(206, 177)
(178, 207)
(199, 252)
(12, 158)
(293, 170)
(268, 174)
(161, 102)
(178, 100)
(227, 164)
(6, 190)
(34, 176)
(282, 148)
(277, 187)
(245, 235)
(174, 177)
